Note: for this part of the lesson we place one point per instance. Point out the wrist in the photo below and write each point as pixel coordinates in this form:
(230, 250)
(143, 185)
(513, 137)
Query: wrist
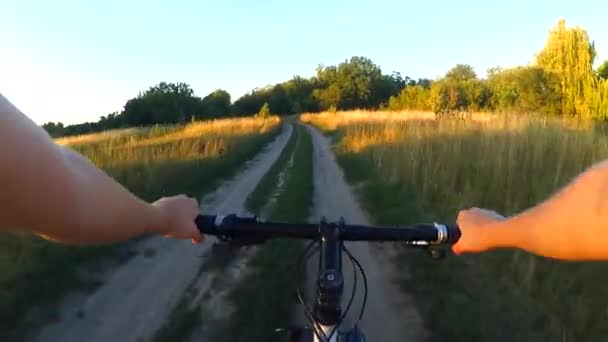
(498, 234)
(487, 238)
(158, 223)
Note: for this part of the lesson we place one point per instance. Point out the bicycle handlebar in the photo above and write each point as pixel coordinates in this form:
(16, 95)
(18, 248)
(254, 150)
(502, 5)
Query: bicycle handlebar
(327, 309)
(250, 230)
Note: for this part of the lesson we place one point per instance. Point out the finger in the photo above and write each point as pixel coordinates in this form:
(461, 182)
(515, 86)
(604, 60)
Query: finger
(464, 213)
(197, 237)
(194, 201)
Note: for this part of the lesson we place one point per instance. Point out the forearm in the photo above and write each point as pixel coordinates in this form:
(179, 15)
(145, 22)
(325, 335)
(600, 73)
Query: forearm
(570, 225)
(103, 210)
(59, 194)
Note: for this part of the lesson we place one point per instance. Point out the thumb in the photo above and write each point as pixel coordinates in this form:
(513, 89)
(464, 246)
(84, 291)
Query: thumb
(197, 237)
(457, 249)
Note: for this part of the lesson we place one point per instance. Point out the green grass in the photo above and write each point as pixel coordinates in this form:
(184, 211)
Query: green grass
(414, 169)
(267, 185)
(264, 301)
(27, 262)
(453, 297)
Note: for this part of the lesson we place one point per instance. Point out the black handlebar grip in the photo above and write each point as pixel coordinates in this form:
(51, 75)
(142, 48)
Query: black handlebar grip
(453, 234)
(206, 224)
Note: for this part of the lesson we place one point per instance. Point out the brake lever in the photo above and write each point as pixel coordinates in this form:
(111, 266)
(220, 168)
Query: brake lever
(241, 242)
(434, 251)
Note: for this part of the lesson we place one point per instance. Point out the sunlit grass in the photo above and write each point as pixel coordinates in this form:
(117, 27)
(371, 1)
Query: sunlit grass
(503, 162)
(197, 140)
(328, 121)
(98, 137)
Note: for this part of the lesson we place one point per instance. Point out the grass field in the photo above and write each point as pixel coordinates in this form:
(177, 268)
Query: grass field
(411, 167)
(151, 162)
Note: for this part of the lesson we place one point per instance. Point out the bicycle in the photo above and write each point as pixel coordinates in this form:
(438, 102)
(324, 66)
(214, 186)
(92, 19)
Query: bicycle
(327, 315)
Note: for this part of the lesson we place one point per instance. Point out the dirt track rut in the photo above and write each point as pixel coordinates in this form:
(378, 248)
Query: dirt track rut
(136, 298)
(390, 314)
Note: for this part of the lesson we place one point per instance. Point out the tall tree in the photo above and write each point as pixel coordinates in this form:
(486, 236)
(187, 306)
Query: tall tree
(525, 89)
(411, 97)
(355, 83)
(570, 54)
(279, 102)
(161, 104)
(461, 72)
(215, 105)
(602, 71)
(250, 103)
(300, 92)
(54, 129)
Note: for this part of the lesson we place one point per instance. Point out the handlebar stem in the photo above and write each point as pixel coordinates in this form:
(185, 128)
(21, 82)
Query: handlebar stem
(330, 284)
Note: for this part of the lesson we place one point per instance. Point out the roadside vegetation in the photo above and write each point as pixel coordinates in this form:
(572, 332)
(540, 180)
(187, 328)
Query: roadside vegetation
(409, 168)
(151, 162)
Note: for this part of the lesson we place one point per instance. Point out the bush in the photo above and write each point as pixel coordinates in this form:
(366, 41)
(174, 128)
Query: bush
(264, 111)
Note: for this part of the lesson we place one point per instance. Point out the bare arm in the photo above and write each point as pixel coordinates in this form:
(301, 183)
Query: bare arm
(55, 192)
(571, 225)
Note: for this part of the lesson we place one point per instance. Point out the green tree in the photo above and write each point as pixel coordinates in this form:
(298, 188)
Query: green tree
(459, 91)
(215, 105)
(461, 72)
(570, 54)
(264, 111)
(600, 101)
(525, 89)
(602, 71)
(111, 121)
(355, 83)
(329, 96)
(54, 129)
(279, 101)
(448, 96)
(161, 104)
(300, 92)
(250, 103)
(411, 97)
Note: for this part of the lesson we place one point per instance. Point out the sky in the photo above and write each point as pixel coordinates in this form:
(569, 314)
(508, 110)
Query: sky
(73, 61)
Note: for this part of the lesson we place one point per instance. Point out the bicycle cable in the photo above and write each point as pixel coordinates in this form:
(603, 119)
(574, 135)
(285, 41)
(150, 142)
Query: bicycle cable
(308, 253)
(364, 283)
(316, 328)
(352, 296)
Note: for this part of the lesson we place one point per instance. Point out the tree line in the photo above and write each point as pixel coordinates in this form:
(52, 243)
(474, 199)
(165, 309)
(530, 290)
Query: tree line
(561, 81)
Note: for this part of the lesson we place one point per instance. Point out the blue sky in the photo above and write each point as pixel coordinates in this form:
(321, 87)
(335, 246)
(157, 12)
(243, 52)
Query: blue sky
(73, 61)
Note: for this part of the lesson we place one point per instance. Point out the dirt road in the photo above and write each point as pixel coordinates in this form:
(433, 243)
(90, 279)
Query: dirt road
(135, 299)
(390, 315)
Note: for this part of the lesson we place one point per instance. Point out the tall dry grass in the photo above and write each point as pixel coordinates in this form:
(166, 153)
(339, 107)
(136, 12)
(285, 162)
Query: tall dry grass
(503, 162)
(160, 143)
(151, 162)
